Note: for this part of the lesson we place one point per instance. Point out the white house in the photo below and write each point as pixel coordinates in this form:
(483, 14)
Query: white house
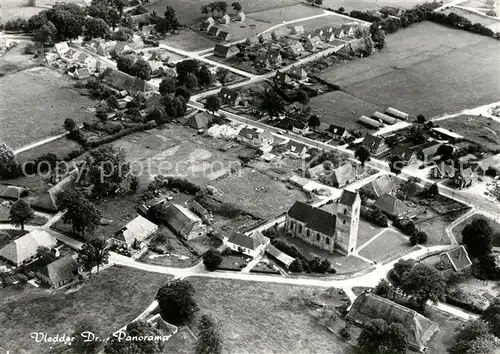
(250, 245)
(136, 231)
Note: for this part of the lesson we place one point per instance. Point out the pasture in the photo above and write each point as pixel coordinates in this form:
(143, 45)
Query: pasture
(388, 245)
(425, 69)
(12, 9)
(481, 130)
(35, 103)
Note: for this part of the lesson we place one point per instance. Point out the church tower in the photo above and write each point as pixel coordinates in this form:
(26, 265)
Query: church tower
(347, 222)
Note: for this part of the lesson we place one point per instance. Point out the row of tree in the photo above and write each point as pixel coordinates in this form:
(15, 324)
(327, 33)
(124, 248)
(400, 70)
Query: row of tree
(220, 7)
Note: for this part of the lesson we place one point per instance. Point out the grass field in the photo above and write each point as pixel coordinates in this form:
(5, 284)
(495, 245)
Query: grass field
(289, 13)
(268, 318)
(187, 40)
(474, 18)
(12, 9)
(482, 130)
(418, 66)
(370, 4)
(257, 193)
(60, 147)
(341, 108)
(110, 299)
(35, 103)
(388, 245)
(435, 228)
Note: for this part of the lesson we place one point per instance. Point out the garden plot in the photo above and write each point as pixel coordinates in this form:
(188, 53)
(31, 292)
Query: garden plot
(35, 103)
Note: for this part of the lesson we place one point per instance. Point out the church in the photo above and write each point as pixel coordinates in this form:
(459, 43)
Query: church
(326, 230)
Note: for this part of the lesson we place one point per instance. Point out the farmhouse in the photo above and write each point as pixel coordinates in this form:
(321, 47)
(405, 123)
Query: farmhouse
(297, 73)
(281, 257)
(338, 132)
(456, 259)
(250, 245)
(396, 114)
(104, 48)
(374, 144)
(184, 222)
(47, 200)
(14, 192)
(390, 205)
(384, 118)
(253, 137)
(343, 175)
(300, 127)
(134, 233)
(369, 306)
(121, 81)
(81, 73)
(59, 272)
(349, 29)
(199, 210)
(382, 185)
(229, 97)
(24, 249)
(199, 121)
(339, 32)
(324, 230)
(225, 51)
(369, 122)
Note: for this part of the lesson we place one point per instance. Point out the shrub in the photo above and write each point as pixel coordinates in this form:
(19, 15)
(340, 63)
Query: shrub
(345, 332)
(374, 215)
(212, 259)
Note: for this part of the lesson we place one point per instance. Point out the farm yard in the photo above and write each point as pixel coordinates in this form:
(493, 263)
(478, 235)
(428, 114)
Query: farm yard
(481, 130)
(35, 103)
(111, 299)
(414, 74)
(257, 194)
(284, 313)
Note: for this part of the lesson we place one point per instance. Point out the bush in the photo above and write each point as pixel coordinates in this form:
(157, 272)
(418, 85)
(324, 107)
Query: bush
(345, 332)
(212, 259)
(374, 215)
(270, 233)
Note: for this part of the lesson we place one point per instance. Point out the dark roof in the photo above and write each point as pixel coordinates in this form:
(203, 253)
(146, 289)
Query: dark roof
(390, 205)
(369, 306)
(224, 50)
(213, 31)
(372, 142)
(226, 94)
(251, 242)
(284, 258)
(403, 152)
(223, 35)
(248, 133)
(345, 173)
(459, 258)
(348, 197)
(60, 271)
(337, 130)
(315, 219)
(294, 146)
(282, 77)
(384, 117)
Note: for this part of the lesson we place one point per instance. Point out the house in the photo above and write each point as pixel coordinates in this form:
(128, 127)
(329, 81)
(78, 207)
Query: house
(265, 37)
(442, 170)
(445, 134)
(24, 249)
(396, 113)
(252, 40)
(87, 61)
(104, 48)
(325, 230)
(315, 172)
(282, 78)
(135, 232)
(61, 48)
(121, 81)
(184, 222)
(369, 306)
(297, 73)
(206, 25)
(338, 132)
(339, 32)
(251, 245)
(429, 151)
(136, 42)
(374, 144)
(240, 17)
(382, 185)
(144, 207)
(384, 118)
(491, 164)
(349, 29)
(225, 20)
(213, 31)
(255, 138)
(390, 205)
(405, 154)
(229, 97)
(369, 122)
(297, 29)
(47, 200)
(296, 150)
(199, 210)
(81, 73)
(14, 192)
(261, 61)
(281, 257)
(465, 178)
(300, 127)
(70, 56)
(223, 36)
(312, 43)
(343, 175)
(141, 19)
(322, 31)
(456, 259)
(275, 58)
(59, 272)
(199, 121)
(122, 47)
(225, 51)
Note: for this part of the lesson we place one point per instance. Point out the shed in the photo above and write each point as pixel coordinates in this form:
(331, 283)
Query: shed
(384, 117)
(396, 113)
(369, 122)
(279, 256)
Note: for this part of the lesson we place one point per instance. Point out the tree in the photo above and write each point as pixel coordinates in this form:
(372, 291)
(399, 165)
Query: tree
(314, 121)
(212, 259)
(80, 345)
(93, 254)
(236, 6)
(205, 10)
(209, 338)
(125, 64)
(474, 338)
(69, 124)
(96, 28)
(383, 288)
(21, 213)
(171, 21)
(423, 283)
(400, 269)
(176, 302)
(212, 103)
(318, 2)
(477, 237)
(9, 166)
(362, 154)
(138, 329)
(341, 10)
(190, 81)
(80, 212)
(183, 92)
(45, 34)
(134, 184)
(421, 119)
(221, 74)
(113, 19)
(433, 190)
(222, 6)
(492, 316)
(142, 69)
(302, 98)
(378, 337)
(167, 85)
(273, 105)
(204, 76)
(345, 332)
(395, 164)
(107, 168)
(408, 189)
(68, 25)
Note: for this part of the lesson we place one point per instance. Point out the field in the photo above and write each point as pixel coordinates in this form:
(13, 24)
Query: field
(12, 9)
(481, 130)
(289, 13)
(268, 318)
(436, 228)
(337, 108)
(35, 103)
(472, 17)
(257, 193)
(370, 4)
(189, 41)
(188, 11)
(60, 147)
(110, 299)
(386, 246)
(414, 74)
